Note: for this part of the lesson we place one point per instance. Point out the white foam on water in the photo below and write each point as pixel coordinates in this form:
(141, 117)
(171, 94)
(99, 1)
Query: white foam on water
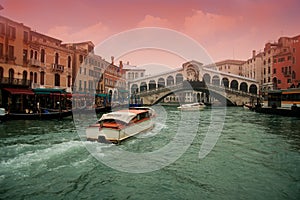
(34, 156)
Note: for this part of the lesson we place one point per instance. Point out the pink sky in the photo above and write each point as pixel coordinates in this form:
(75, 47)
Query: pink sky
(226, 29)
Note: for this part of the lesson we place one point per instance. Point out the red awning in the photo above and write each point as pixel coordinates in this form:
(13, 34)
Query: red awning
(19, 91)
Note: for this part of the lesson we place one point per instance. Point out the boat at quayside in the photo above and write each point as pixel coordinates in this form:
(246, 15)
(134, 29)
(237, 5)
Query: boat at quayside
(192, 107)
(119, 125)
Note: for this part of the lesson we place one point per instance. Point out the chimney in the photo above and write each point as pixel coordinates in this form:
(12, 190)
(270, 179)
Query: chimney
(112, 60)
(253, 53)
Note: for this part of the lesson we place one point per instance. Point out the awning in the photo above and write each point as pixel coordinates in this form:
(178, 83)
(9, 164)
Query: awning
(19, 91)
(123, 91)
(100, 95)
(48, 90)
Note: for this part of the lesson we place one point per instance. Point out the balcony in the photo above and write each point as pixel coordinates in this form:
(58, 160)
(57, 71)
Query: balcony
(15, 81)
(35, 63)
(7, 59)
(57, 68)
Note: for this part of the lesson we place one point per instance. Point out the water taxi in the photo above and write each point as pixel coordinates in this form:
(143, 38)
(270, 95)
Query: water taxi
(192, 107)
(119, 125)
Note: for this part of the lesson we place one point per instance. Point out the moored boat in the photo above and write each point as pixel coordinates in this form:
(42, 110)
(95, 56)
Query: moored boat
(119, 125)
(2, 114)
(41, 115)
(192, 107)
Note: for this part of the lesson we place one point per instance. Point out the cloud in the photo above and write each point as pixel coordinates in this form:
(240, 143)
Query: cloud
(151, 21)
(95, 33)
(201, 25)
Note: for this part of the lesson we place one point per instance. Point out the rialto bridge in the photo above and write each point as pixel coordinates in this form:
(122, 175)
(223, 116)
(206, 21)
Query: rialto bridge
(205, 84)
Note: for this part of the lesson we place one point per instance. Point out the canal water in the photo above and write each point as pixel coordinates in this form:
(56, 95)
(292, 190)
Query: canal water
(256, 156)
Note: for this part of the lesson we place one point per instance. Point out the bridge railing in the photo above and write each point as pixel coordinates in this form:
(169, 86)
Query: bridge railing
(194, 85)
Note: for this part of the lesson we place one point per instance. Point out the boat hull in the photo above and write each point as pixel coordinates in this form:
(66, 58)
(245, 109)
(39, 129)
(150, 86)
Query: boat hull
(118, 135)
(38, 116)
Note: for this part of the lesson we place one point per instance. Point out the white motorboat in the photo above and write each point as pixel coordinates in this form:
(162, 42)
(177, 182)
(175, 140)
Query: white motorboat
(192, 106)
(119, 125)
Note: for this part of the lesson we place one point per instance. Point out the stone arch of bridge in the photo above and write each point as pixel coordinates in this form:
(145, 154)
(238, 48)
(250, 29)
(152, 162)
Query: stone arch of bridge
(222, 98)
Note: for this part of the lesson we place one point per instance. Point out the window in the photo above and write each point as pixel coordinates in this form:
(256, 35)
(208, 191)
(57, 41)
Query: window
(293, 75)
(42, 78)
(25, 52)
(69, 81)
(80, 58)
(80, 70)
(56, 58)
(56, 80)
(84, 71)
(11, 32)
(1, 49)
(43, 55)
(279, 81)
(25, 36)
(35, 77)
(69, 61)
(31, 77)
(2, 29)
(11, 52)
(142, 74)
(31, 54)
(80, 85)
(269, 70)
(289, 57)
(274, 60)
(289, 80)
(269, 60)
(35, 55)
(274, 71)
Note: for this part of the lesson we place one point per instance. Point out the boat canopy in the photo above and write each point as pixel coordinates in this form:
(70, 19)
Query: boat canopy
(118, 116)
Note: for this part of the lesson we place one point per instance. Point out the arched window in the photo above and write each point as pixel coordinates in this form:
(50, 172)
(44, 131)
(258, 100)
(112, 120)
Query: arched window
(24, 80)
(11, 74)
(42, 78)
(69, 81)
(69, 61)
(31, 53)
(56, 58)
(35, 77)
(1, 73)
(56, 80)
(35, 55)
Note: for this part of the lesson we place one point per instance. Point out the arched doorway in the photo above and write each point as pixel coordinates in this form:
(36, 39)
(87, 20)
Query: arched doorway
(225, 82)
(234, 85)
(206, 78)
(179, 78)
(216, 80)
(244, 87)
(161, 83)
(134, 88)
(152, 85)
(143, 86)
(253, 89)
(170, 81)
